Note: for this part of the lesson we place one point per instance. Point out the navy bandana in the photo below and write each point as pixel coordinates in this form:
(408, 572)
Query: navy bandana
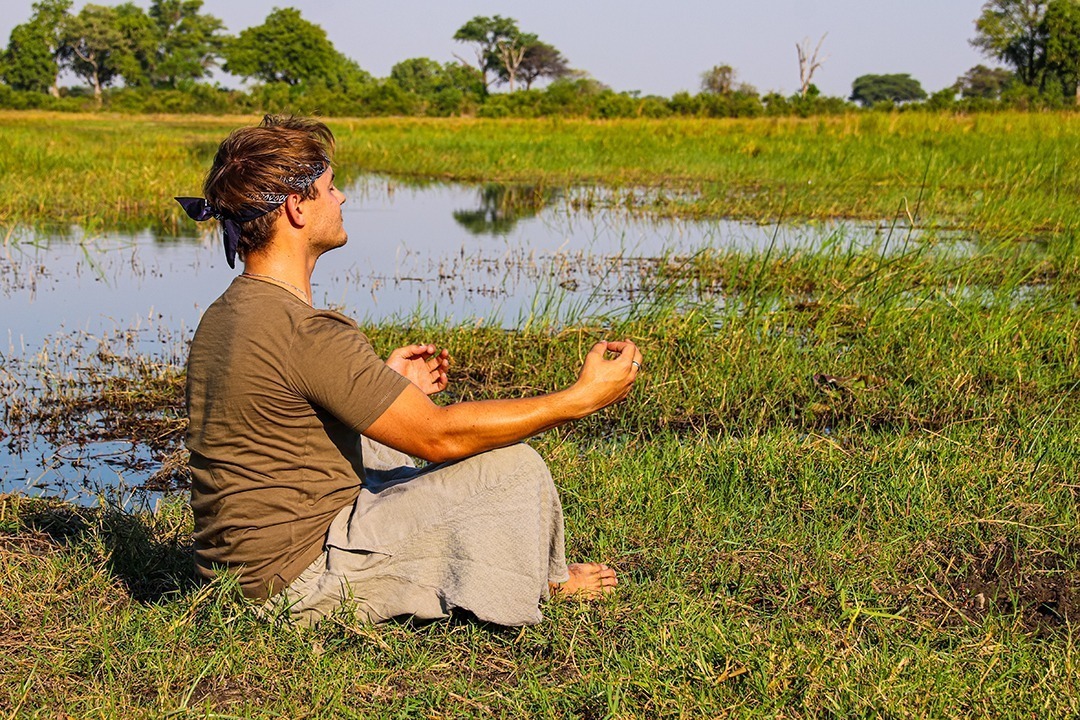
(198, 209)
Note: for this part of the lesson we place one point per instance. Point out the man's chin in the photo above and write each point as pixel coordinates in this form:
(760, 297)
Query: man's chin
(332, 245)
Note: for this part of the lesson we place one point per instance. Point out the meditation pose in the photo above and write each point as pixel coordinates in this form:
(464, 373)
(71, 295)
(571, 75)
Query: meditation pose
(301, 437)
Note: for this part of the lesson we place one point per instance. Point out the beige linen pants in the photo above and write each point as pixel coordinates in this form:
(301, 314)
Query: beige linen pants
(484, 534)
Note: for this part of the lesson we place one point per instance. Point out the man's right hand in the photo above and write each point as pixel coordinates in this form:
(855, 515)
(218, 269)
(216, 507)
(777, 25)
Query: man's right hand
(604, 381)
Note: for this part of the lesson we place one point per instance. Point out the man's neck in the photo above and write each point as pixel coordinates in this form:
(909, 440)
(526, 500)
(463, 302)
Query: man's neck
(290, 273)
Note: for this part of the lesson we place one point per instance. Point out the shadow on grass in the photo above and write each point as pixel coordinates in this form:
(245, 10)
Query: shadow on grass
(149, 556)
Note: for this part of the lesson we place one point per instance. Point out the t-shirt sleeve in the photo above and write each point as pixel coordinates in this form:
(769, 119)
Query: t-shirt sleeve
(333, 365)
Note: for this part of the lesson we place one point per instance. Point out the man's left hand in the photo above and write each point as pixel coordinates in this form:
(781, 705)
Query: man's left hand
(425, 365)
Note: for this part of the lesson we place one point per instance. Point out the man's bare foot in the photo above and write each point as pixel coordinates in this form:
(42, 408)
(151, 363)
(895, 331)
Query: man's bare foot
(588, 581)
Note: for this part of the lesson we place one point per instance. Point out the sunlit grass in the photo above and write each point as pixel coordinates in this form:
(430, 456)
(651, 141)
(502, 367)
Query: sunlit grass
(848, 489)
(1003, 174)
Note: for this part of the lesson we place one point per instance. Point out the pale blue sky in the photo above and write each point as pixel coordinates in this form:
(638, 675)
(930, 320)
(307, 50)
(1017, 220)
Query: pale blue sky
(654, 47)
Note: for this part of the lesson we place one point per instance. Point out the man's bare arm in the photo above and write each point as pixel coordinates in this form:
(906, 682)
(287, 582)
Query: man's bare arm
(415, 425)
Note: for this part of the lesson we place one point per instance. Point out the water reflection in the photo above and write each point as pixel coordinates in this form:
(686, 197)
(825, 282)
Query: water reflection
(502, 206)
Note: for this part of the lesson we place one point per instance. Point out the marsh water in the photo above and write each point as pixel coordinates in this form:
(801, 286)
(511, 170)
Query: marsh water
(436, 252)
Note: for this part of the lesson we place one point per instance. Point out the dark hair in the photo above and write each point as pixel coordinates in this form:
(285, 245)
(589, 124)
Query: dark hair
(271, 159)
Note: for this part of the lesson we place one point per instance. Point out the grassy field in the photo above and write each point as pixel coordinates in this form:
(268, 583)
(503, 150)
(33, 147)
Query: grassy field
(1004, 175)
(848, 490)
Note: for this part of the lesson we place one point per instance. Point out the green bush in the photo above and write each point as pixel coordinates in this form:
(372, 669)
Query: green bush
(11, 99)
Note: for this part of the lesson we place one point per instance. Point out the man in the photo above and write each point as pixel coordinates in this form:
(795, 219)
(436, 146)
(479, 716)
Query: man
(300, 436)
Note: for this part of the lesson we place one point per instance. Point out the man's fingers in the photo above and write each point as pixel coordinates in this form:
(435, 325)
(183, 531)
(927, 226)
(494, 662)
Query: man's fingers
(626, 352)
(622, 347)
(412, 351)
(599, 348)
(438, 361)
(628, 355)
(618, 347)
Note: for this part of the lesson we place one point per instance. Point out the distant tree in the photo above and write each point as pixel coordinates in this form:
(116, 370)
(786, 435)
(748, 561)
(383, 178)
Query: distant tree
(288, 49)
(464, 78)
(103, 44)
(1012, 32)
(441, 88)
(1061, 29)
(542, 60)
(87, 44)
(718, 80)
(504, 53)
(488, 34)
(30, 61)
(870, 89)
(943, 99)
(347, 74)
(139, 40)
(983, 82)
(510, 54)
(421, 75)
(809, 63)
(189, 43)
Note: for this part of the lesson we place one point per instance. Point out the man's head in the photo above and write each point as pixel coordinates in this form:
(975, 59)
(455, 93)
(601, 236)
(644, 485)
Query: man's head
(259, 167)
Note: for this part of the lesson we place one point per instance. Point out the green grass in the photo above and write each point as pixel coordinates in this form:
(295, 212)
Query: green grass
(849, 491)
(1005, 175)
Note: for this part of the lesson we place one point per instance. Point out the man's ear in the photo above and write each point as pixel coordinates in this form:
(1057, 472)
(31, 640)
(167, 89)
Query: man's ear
(294, 210)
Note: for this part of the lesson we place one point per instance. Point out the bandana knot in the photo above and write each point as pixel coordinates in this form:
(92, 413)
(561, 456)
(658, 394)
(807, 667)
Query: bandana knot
(199, 209)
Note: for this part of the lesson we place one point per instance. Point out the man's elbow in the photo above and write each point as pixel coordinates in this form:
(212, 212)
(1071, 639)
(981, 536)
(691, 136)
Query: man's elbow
(444, 437)
(444, 448)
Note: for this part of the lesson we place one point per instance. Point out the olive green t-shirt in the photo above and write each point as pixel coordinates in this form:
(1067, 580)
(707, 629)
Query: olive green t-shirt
(277, 395)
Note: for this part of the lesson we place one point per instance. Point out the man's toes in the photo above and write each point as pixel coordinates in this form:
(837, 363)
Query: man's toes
(588, 580)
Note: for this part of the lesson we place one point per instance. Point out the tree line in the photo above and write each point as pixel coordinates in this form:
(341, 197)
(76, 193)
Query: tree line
(1038, 42)
(162, 60)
